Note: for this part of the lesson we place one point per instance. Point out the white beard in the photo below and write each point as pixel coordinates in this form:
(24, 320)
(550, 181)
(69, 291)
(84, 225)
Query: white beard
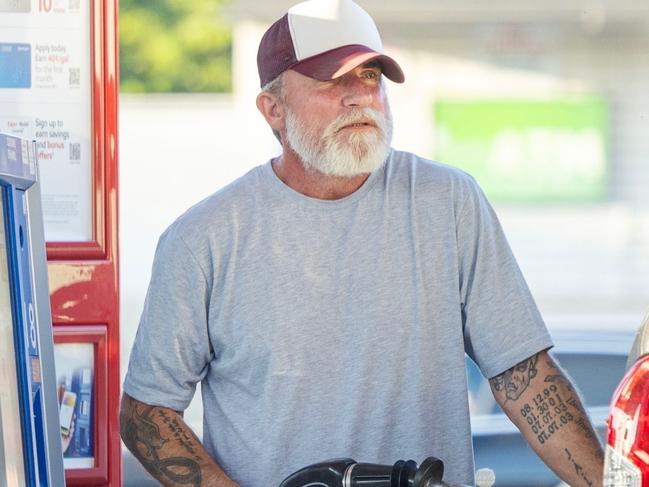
(342, 154)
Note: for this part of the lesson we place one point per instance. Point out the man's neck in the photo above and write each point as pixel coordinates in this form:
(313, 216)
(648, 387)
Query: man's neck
(312, 183)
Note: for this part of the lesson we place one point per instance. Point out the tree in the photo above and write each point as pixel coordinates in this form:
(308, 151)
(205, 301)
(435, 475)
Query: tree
(174, 46)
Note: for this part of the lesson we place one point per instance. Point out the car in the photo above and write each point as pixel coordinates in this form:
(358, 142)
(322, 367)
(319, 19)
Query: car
(627, 449)
(594, 357)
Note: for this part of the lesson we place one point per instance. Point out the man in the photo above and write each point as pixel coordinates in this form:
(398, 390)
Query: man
(327, 298)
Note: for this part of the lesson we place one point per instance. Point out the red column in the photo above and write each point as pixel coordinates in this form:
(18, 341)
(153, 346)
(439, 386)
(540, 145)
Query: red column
(83, 277)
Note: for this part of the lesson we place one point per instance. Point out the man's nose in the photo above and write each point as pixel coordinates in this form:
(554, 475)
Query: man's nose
(358, 95)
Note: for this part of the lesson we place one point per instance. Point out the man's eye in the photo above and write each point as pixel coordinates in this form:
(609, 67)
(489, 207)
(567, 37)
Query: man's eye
(371, 74)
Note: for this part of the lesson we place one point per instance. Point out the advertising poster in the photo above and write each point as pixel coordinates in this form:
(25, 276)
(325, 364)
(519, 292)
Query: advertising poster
(75, 381)
(45, 94)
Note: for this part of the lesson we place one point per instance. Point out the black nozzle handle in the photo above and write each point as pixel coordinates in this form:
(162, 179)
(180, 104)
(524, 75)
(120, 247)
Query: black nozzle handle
(345, 472)
(368, 475)
(401, 474)
(330, 474)
(429, 473)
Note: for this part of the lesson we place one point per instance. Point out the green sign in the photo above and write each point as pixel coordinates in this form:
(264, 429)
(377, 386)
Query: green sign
(527, 150)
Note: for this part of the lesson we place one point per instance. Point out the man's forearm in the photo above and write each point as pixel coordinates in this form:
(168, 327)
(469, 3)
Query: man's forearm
(169, 450)
(541, 401)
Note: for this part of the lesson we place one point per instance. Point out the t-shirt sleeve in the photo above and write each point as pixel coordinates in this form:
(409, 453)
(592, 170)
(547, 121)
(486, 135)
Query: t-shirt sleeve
(172, 349)
(502, 324)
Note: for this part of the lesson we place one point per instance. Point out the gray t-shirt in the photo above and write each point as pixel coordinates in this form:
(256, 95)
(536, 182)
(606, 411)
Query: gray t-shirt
(324, 329)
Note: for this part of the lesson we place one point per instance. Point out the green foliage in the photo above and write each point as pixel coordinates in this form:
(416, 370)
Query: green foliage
(174, 46)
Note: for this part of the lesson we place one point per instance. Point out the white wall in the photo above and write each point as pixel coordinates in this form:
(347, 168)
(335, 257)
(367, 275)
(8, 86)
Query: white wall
(174, 151)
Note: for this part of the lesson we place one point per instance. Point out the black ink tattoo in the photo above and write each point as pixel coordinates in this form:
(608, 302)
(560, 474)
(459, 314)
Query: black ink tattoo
(188, 442)
(573, 401)
(517, 379)
(142, 432)
(547, 414)
(585, 428)
(579, 470)
(558, 377)
(556, 407)
(142, 436)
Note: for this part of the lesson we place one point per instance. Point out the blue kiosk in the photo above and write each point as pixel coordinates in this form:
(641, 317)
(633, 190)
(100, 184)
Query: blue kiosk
(30, 423)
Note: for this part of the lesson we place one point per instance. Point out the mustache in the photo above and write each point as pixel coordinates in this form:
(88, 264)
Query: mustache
(366, 116)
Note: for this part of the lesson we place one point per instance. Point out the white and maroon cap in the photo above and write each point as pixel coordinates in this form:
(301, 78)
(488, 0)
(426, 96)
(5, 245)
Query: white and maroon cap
(323, 39)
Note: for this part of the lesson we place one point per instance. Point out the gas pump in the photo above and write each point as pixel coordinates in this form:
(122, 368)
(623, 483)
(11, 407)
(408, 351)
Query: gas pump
(59, 87)
(30, 437)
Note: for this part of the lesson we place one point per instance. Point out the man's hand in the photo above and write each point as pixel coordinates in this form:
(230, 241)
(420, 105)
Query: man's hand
(169, 450)
(541, 401)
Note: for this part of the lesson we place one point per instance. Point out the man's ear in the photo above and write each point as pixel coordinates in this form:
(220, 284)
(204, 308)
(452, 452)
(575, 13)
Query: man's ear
(273, 111)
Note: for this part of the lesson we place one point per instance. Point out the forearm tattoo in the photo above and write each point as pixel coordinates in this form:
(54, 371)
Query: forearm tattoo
(554, 406)
(143, 437)
(551, 409)
(517, 379)
(579, 470)
(558, 376)
(548, 413)
(572, 399)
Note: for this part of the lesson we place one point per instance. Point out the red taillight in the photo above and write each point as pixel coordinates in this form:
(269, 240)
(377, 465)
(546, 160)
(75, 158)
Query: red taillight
(627, 452)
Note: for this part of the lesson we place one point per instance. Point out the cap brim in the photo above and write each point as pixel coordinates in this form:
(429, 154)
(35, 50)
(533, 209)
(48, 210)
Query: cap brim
(337, 62)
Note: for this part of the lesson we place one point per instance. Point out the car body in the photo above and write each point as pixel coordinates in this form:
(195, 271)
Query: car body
(627, 449)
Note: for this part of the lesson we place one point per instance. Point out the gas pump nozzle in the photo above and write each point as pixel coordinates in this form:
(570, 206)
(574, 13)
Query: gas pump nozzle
(345, 472)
